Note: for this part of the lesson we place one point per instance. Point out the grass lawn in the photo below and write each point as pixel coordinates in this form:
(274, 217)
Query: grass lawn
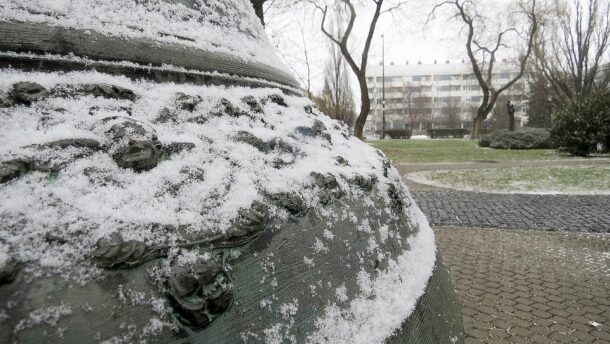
(547, 179)
(454, 150)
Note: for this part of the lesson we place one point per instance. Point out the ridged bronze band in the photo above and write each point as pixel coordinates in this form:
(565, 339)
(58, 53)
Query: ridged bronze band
(37, 38)
(437, 317)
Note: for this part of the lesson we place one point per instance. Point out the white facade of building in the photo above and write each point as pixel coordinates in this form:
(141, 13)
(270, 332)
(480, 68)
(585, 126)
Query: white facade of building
(424, 96)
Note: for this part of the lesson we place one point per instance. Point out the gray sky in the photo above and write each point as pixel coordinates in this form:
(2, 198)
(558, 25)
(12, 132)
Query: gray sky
(407, 36)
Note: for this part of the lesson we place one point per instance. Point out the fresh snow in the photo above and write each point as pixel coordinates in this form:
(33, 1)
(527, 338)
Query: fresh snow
(70, 206)
(48, 316)
(211, 25)
(384, 302)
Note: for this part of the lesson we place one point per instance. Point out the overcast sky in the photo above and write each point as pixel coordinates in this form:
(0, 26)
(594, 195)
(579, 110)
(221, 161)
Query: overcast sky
(407, 36)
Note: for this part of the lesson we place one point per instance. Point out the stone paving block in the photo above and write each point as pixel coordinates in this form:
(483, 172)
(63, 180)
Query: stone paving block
(540, 306)
(524, 308)
(558, 311)
(524, 299)
(587, 213)
(478, 334)
(559, 282)
(501, 324)
(541, 330)
(585, 337)
(603, 335)
(540, 339)
(497, 333)
(520, 331)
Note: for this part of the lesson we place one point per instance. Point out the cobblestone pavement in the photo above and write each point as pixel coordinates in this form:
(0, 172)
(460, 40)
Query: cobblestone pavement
(586, 213)
(520, 286)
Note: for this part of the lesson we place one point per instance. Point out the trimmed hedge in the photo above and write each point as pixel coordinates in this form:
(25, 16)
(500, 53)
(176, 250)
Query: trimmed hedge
(583, 125)
(397, 133)
(523, 138)
(446, 133)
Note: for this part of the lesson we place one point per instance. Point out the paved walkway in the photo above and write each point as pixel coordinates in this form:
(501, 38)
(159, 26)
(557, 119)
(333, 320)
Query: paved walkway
(536, 277)
(530, 286)
(590, 213)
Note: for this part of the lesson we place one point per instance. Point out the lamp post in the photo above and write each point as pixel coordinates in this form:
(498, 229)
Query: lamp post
(548, 120)
(382, 88)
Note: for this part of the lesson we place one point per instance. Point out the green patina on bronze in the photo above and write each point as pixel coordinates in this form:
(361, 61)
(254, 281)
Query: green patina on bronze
(224, 297)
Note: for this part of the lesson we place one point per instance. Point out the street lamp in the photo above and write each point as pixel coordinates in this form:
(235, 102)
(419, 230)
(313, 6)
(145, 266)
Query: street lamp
(382, 88)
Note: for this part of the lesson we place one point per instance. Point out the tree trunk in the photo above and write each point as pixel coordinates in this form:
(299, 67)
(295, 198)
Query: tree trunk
(258, 9)
(476, 128)
(365, 107)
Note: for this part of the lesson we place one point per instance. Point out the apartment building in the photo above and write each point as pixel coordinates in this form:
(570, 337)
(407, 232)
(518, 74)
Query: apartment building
(423, 96)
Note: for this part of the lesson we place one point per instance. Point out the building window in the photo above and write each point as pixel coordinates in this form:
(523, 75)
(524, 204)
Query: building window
(393, 79)
(442, 77)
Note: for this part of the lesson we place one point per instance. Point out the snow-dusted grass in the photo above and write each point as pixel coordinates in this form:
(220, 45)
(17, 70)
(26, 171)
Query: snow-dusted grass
(454, 150)
(578, 179)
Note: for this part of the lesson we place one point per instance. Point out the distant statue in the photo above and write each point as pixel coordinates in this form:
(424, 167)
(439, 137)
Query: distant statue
(511, 116)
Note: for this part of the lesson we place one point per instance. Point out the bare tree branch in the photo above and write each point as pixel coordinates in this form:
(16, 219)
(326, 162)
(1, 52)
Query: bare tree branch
(571, 55)
(466, 12)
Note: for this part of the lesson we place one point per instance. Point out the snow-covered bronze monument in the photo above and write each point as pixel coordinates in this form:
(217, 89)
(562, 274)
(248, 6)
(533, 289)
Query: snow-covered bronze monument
(163, 182)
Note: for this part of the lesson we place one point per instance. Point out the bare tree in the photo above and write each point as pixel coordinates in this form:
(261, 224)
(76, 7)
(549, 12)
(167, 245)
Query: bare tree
(290, 30)
(570, 51)
(409, 92)
(483, 56)
(500, 113)
(451, 112)
(304, 58)
(307, 79)
(539, 100)
(341, 40)
(337, 99)
(422, 111)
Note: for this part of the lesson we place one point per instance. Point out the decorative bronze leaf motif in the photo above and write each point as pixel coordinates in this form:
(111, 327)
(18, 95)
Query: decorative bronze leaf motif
(199, 292)
(277, 99)
(293, 203)
(26, 92)
(249, 223)
(108, 91)
(317, 130)
(113, 252)
(330, 189)
(13, 169)
(138, 155)
(253, 104)
(8, 271)
(396, 198)
(365, 183)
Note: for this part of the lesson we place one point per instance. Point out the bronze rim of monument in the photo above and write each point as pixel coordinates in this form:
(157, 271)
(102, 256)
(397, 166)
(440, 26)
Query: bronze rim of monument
(27, 46)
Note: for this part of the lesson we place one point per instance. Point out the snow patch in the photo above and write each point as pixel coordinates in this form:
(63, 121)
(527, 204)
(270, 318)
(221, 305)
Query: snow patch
(384, 301)
(237, 32)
